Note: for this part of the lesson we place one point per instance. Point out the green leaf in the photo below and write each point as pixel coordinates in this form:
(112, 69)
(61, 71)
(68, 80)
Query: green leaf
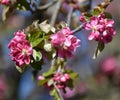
(73, 75)
(20, 69)
(47, 28)
(55, 94)
(51, 55)
(47, 46)
(98, 50)
(37, 55)
(6, 13)
(97, 11)
(37, 65)
(42, 82)
(23, 5)
(35, 35)
(48, 73)
(62, 25)
(35, 38)
(108, 15)
(87, 16)
(70, 84)
(50, 82)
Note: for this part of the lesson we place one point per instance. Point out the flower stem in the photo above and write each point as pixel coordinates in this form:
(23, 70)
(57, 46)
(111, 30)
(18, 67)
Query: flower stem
(61, 97)
(79, 28)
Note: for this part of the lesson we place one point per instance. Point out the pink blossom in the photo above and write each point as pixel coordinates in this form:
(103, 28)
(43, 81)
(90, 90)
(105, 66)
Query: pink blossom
(20, 49)
(65, 42)
(102, 28)
(5, 2)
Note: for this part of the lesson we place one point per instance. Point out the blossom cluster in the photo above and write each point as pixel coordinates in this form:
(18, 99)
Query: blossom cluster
(65, 42)
(5, 2)
(20, 49)
(60, 79)
(102, 28)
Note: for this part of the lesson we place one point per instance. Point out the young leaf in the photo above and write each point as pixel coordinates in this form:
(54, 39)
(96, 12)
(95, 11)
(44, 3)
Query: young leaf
(97, 10)
(23, 5)
(35, 38)
(99, 49)
(37, 55)
(87, 16)
(50, 82)
(108, 15)
(70, 84)
(48, 73)
(73, 75)
(42, 82)
(20, 69)
(45, 27)
(6, 13)
(37, 64)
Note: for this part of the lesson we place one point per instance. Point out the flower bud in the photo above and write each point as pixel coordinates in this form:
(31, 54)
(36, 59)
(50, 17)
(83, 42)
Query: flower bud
(40, 77)
(66, 76)
(63, 79)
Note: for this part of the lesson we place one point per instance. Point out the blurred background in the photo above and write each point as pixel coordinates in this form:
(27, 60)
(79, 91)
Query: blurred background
(99, 78)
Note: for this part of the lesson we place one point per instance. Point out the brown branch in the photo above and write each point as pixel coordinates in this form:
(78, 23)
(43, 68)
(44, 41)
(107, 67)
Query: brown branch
(90, 4)
(55, 13)
(104, 4)
(47, 5)
(69, 16)
(79, 28)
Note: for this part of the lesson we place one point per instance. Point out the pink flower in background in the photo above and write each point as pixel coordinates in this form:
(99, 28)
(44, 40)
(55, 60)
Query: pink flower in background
(5, 2)
(20, 49)
(69, 93)
(102, 28)
(109, 65)
(65, 42)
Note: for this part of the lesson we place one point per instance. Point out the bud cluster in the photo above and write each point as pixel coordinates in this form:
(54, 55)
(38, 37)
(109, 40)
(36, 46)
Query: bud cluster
(60, 79)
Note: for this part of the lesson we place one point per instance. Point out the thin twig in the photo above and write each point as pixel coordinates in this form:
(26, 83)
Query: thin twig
(90, 4)
(61, 97)
(77, 29)
(55, 13)
(47, 5)
(105, 4)
(69, 16)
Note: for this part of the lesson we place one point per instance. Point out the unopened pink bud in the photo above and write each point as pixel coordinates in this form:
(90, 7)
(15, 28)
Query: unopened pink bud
(66, 76)
(63, 79)
(60, 86)
(40, 77)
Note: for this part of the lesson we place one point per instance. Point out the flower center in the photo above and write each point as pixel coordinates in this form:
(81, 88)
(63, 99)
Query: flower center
(24, 52)
(94, 28)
